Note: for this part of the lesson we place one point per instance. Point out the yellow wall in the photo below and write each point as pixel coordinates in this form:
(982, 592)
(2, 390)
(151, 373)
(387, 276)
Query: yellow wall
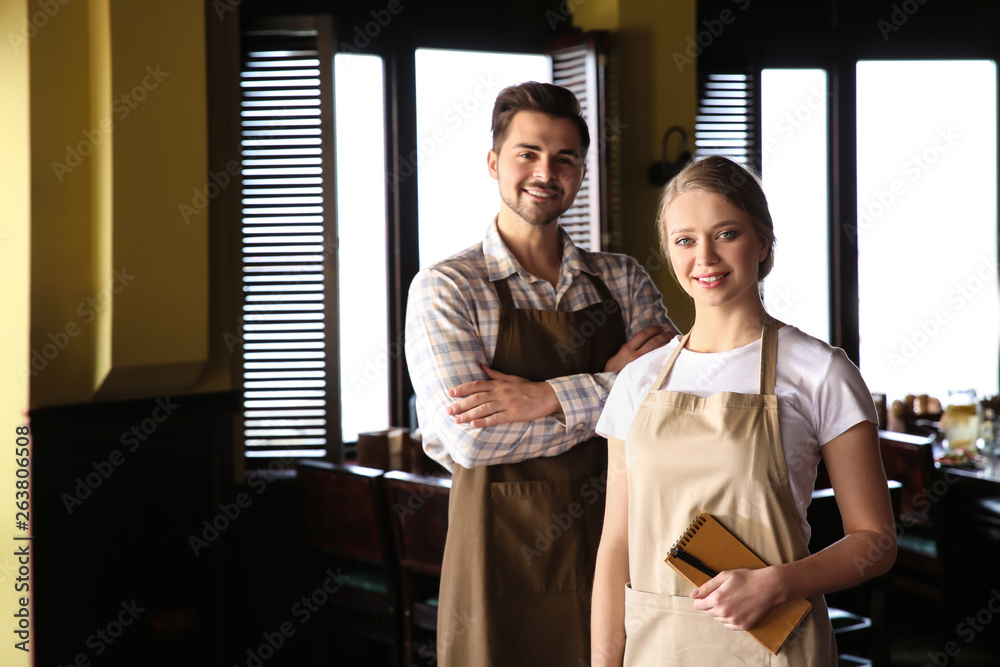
(94, 246)
(15, 249)
(120, 290)
(655, 93)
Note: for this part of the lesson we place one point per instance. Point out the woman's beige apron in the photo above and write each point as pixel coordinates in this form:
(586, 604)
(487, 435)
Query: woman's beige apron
(721, 455)
(522, 538)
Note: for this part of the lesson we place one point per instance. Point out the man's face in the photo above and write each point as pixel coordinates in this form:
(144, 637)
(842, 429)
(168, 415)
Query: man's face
(539, 167)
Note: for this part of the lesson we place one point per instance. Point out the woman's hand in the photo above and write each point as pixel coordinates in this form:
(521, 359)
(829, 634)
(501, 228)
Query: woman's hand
(739, 598)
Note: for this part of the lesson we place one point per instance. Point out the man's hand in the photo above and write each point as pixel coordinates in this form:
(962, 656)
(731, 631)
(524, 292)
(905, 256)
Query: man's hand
(502, 399)
(645, 341)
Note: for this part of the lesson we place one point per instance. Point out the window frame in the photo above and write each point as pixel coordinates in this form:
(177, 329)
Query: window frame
(397, 52)
(835, 39)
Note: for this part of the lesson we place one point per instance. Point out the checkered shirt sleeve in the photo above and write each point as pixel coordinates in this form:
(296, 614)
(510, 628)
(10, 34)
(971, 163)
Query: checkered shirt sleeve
(451, 328)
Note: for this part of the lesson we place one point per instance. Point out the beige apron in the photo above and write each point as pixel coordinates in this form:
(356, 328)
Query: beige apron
(522, 538)
(722, 455)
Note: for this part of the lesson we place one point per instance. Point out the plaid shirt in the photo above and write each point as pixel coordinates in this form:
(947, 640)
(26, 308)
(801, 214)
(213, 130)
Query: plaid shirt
(452, 318)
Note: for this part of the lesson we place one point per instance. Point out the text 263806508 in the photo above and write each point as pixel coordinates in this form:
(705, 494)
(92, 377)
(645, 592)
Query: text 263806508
(22, 617)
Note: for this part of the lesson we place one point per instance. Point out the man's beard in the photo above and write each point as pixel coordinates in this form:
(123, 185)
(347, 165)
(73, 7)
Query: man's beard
(530, 213)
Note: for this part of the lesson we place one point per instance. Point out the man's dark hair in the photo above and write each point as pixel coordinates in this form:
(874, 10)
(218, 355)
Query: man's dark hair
(549, 99)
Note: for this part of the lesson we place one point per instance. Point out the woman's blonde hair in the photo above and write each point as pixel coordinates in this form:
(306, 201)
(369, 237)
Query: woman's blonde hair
(740, 186)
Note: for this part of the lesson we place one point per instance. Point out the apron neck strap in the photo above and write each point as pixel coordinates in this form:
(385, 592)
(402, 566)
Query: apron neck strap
(768, 357)
(599, 285)
(507, 301)
(503, 292)
(670, 362)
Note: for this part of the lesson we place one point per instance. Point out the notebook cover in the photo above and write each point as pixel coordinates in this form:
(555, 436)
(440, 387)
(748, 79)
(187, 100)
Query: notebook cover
(708, 540)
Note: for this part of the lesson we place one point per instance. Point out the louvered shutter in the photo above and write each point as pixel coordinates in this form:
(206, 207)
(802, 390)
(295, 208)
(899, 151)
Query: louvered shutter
(581, 67)
(287, 247)
(725, 124)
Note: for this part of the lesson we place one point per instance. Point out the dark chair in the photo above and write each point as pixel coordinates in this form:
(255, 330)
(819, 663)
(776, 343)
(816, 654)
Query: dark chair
(919, 565)
(970, 551)
(859, 616)
(418, 514)
(346, 524)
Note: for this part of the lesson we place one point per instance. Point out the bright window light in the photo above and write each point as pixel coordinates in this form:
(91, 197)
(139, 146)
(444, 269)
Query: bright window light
(455, 93)
(927, 226)
(362, 254)
(794, 170)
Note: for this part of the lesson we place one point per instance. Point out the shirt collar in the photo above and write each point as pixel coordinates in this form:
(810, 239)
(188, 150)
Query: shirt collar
(500, 263)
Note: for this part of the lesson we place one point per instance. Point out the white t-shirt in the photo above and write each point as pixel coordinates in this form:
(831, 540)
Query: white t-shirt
(820, 395)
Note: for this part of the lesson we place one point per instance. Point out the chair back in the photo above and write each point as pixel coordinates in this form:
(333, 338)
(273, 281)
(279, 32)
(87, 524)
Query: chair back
(345, 521)
(343, 509)
(909, 459)
(418, 515)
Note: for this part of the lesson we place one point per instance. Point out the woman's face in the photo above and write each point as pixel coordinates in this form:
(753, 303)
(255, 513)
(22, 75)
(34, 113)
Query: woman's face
(714, 250)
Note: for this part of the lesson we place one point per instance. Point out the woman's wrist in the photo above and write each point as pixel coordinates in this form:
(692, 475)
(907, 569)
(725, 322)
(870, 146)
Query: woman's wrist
(779, 582)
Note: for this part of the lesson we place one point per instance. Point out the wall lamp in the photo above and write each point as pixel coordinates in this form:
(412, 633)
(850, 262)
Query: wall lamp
(661, 172)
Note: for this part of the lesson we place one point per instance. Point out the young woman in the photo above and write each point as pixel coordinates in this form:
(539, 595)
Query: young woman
(731, 420)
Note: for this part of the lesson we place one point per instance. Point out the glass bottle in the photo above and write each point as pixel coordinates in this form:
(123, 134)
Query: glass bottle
(961, 421)
(990, 438)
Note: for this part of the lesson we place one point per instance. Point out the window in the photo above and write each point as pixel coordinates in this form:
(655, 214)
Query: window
(458, 199)
(921, 179)
(927, 226)
(794, 139)
(779, 128)
(325, 277)
(287, 241)
(363, 248)
(726, 120)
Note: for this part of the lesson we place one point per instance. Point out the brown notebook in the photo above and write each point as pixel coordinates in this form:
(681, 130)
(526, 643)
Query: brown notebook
(716, 548)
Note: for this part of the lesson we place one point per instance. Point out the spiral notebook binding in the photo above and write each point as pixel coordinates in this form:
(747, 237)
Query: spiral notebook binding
(692, 528)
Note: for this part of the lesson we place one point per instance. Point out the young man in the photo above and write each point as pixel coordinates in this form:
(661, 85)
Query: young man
(513, 346)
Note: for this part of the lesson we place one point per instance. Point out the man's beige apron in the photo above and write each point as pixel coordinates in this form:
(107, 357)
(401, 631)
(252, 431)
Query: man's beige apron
(720, 455)
(522, 538)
